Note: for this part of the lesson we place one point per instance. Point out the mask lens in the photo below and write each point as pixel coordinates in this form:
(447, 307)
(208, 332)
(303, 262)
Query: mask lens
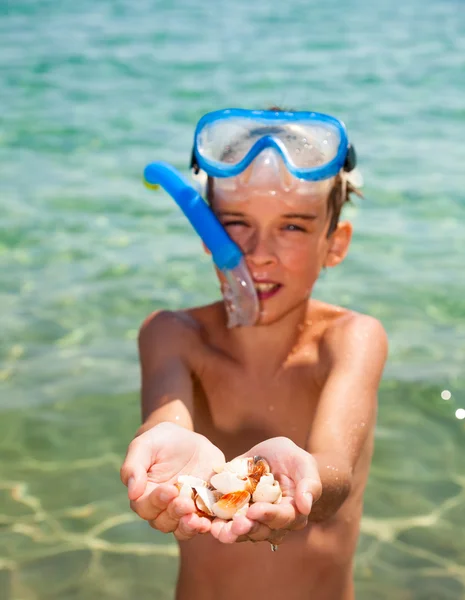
(226, 140)
(305, 144)
(310, 145)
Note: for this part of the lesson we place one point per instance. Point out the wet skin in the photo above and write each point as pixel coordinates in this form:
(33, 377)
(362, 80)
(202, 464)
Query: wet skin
(302, 382)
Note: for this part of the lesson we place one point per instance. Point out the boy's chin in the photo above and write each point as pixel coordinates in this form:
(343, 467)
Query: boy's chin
(269, 316)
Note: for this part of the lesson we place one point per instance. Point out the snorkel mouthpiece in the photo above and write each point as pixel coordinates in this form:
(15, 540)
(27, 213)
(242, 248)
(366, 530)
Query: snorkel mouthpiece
(240, 295)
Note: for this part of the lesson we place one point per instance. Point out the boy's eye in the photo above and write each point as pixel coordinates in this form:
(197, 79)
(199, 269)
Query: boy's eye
(235, 224)
(294, 227)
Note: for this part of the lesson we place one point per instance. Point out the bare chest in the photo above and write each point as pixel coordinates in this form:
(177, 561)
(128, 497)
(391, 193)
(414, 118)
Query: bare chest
(236, 410)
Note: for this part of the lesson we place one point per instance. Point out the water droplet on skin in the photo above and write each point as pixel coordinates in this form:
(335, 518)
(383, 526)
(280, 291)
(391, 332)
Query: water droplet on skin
(271, 408)
(176, 418)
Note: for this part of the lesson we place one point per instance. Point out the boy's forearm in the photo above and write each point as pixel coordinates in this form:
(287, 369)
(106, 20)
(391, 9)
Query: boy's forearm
(174, 411)
(336, 481)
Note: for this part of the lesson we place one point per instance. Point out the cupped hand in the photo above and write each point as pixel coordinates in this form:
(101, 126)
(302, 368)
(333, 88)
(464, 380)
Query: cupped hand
(297, 473)
(153, 463)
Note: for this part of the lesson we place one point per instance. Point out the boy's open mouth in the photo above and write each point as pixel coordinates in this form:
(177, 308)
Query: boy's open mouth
(266, 289)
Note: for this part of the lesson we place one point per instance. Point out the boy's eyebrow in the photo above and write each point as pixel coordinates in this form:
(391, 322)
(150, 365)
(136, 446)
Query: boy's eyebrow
(229, 213)
(304, 216)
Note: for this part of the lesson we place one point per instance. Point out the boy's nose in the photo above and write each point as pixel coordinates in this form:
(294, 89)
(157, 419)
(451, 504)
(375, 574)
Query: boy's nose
(260, 251)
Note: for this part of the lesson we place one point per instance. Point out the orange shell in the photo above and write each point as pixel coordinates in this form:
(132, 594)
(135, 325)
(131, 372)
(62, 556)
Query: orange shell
(258, 468)
(234, 500)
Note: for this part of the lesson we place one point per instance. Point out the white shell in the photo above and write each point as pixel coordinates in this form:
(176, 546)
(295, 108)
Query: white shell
(238, 466)
(242, 511)
(267, 490)
(186, 491)
(226, 482)
(194, 482)
(206, 499)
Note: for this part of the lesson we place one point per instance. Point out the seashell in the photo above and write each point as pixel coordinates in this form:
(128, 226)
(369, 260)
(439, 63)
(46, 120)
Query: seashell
(238, 466)
(267, 490)
(229, 504)
(243, 510)
(185, 490)
(258, 468)
(192, 481)
(205, 499)
(232, 488)
(227, 482)
(240, 474)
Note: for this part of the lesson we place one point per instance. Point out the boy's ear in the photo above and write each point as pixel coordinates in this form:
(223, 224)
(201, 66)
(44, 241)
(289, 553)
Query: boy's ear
(339, 242)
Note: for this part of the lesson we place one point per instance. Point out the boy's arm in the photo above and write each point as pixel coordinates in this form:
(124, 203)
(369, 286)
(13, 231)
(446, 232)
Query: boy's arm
(346, 413)
(166, 446)
(166, 383)
(320, 477)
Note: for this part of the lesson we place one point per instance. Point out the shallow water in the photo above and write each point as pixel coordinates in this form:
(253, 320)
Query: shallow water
(89, 94)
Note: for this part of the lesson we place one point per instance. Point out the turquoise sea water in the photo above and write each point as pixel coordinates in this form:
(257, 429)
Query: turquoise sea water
(90, 92)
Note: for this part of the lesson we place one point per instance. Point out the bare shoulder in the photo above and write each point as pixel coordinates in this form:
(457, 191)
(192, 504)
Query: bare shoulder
(168, 330)
(176, 332)
(349, 335)
(345, 335)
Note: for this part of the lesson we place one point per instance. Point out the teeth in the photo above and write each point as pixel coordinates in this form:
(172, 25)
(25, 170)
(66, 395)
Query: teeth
(265, 287)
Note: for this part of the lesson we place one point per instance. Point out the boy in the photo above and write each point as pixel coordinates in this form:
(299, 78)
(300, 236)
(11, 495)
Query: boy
(298, 388)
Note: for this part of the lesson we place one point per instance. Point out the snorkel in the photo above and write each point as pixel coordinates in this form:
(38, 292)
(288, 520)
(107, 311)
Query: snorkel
(240, 297)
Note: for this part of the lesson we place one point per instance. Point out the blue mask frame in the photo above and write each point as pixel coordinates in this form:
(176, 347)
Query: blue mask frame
(345, 157)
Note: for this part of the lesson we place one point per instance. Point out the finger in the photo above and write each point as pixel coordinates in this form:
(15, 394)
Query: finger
(241, 525)
(226, 535)
(304, 494)
(163, 495)
(181, 506)
(308, 485)
(138, 461)
(168, 520)
(275, 516)
(300, 523)
(191, 525)
(216, 527)
(277, 536)
(150, 505)
(259, 533)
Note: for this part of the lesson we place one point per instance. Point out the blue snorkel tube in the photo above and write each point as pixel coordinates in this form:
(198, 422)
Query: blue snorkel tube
(241, 299)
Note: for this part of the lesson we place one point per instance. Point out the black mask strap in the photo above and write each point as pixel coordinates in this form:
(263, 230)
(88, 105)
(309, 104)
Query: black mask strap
(194, 164)
(351, 159)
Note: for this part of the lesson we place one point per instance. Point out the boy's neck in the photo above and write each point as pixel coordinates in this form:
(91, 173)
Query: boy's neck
(267, 347)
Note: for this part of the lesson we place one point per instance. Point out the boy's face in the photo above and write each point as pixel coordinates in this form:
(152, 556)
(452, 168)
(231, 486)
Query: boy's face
(284, 238)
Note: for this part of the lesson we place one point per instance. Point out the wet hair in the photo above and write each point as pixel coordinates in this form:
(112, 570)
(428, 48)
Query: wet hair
(337, 198)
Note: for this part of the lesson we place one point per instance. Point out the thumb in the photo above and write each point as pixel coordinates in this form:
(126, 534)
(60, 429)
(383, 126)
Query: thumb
(135, 467)
(136, 485)
(308, 486)
(304, 495)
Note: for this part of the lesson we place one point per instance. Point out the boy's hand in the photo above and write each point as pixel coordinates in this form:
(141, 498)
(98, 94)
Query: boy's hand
(297, 473)
(153, 462)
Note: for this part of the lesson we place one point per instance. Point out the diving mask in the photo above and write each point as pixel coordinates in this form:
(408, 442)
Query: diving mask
(304, 150)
